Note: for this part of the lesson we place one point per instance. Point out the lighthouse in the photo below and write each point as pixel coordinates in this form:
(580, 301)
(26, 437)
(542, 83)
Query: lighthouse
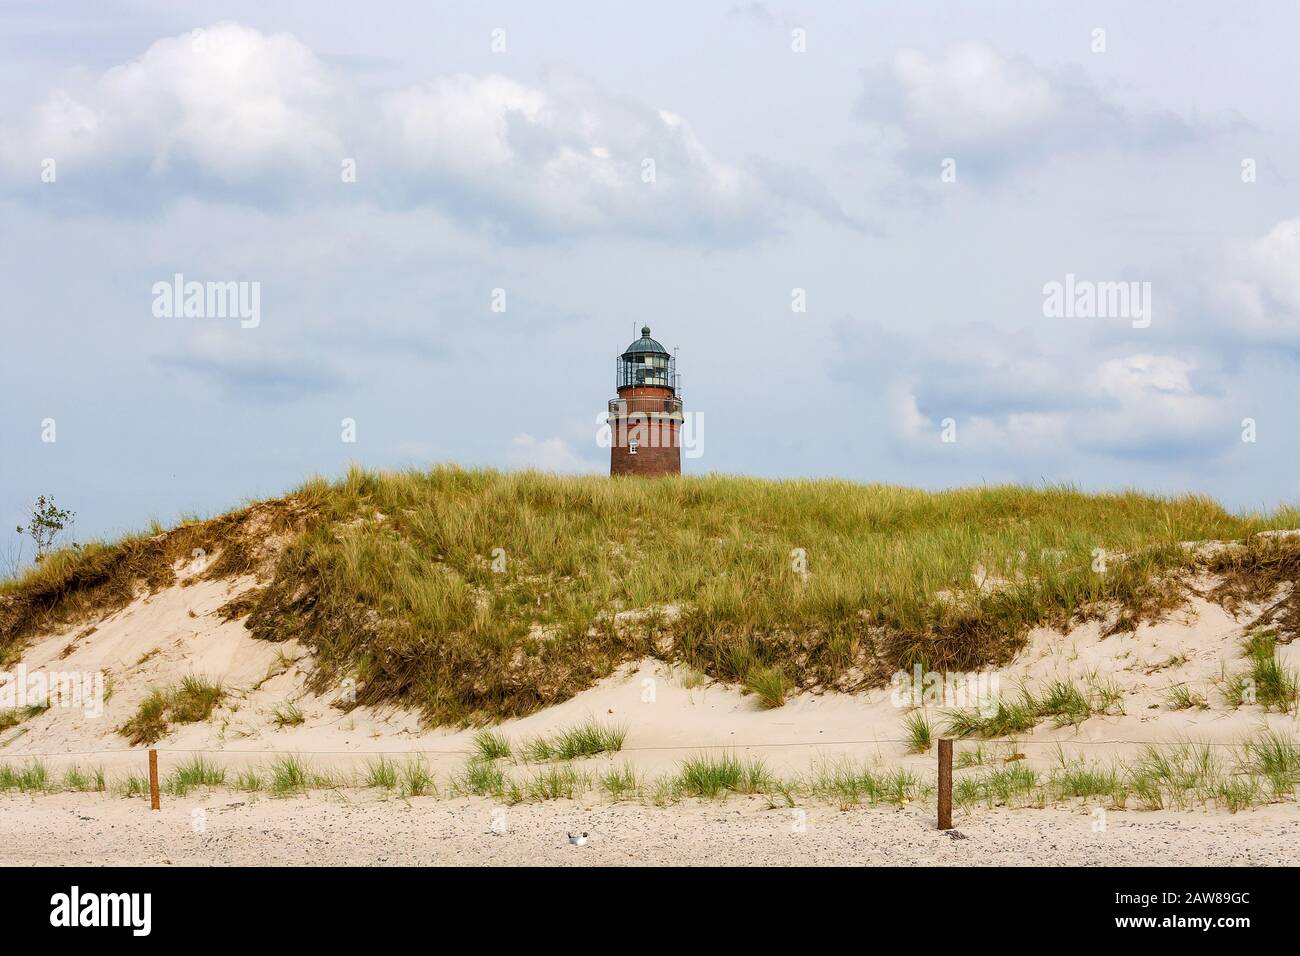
(645, 420)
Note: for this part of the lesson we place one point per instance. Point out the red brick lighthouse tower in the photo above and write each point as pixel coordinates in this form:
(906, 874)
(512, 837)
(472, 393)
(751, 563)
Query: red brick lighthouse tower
(645, 420)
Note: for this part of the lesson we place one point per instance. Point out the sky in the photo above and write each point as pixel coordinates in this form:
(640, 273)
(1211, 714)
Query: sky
(919, 243)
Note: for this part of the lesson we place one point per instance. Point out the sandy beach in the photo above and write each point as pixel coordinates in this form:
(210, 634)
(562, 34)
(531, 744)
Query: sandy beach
(223, 829)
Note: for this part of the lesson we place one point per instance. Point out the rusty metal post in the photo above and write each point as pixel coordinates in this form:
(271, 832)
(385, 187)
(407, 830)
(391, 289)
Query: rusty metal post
(153, 780)
(945, 783)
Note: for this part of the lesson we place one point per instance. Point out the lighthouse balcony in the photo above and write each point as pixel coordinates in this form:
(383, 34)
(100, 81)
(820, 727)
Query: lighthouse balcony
(649, 405)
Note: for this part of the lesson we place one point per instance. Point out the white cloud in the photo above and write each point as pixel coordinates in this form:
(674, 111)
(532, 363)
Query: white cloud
(547, 454)
(990, 112)
(566, 157)
(228, 101)
(1148, 404)
(972, 94)
(1261, 285)
(1009, 399)
(1140, 378)
(1021, 433)
(263, 114)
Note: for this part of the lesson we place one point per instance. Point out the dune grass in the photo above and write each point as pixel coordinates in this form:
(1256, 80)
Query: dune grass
(194, 699)
(490, 745)
(847, 784)
(388, 578)
(132, 785)
(555, 783)
(11, 717)
(480, 778)
(34, 776)
(920, 733)
(1273, 757)
(30, 777)
(1275, 684)
(1184, 776)
(149, 724)
(583, 740)
(77, 779)
(1259, 770)
(417, 781)
(289, 774)
(288, 714)
(1173, 776)
(381, 773)
(196, 772)
(1060, 700)
(621, 783)
(769, 685)
(1064, 702)
(1014, 785)
(714, 775)
(1084, 782)
(1008, 717)
(1182, 697)
(1265, 681)
(190, 701)
(97, 577)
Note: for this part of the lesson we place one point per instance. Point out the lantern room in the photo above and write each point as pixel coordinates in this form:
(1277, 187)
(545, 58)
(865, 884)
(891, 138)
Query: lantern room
(646, 363)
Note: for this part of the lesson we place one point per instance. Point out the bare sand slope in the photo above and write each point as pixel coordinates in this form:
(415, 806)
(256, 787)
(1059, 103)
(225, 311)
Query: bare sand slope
(162, 637)
(363, 830)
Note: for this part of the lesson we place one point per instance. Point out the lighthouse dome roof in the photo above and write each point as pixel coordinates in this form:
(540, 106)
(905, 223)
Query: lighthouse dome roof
(644, 344)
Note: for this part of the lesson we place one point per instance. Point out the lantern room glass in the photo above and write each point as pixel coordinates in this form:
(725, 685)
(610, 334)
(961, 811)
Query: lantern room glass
(647, 369)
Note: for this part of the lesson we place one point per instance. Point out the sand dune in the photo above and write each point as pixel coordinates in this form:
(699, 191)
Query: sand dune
(161, 637)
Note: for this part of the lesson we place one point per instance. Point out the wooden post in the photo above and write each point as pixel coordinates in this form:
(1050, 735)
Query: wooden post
(945, 783)
(153, 779)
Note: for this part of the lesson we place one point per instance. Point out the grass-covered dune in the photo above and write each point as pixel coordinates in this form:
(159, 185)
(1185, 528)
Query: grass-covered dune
(475, 595)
